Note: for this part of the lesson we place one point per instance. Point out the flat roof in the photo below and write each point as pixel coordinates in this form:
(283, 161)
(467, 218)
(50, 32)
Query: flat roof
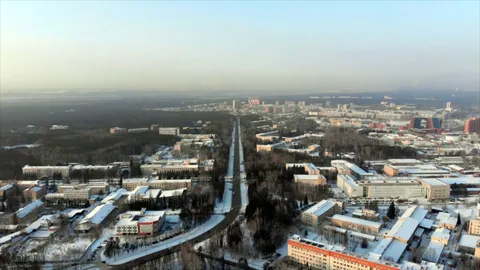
(22, 212)
(468, 240)
(403, 229)
(462, 180)
(394, 251)
(306, 176)
(359, 221)
(98, 214)
(433, 182)
(433, 252)
(320, 208)
(415, 212)
(404, 161)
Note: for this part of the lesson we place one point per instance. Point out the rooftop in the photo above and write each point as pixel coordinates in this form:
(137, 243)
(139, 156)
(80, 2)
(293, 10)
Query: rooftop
(363, 222)
(22, 212)
(403, 229)
(320, 208)
(98, 214)
(433, 182)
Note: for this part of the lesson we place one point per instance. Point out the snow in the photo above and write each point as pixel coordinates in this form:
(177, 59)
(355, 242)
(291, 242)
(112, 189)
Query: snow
(21, 146)
(169, 243)
(320, 208)
(433, 252)
(98, 214)
(224, 206)
(394, 251)
(114, 196)
(22, 212)
(244, 193)
(171, 193)
(468, 240)
(426, 223)
(41, 234)
(362, 222)
(67, 250)
(403, 229)
(415, 212)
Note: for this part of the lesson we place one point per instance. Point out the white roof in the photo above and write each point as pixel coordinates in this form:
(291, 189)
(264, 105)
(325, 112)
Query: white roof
(433, 252)
(92, 167)
(173, 192)
(441, 233)
(306, 176)
(363, 222)
(468, 240)
(22, 212)
(433, 182)
(426, 223)
(394, 251)
(403, 229)
(98, 214)
(424, 265)
(415, 212)
(320, 208)
(404, 161)
(363, 235)
(462, 180)
(115, 195)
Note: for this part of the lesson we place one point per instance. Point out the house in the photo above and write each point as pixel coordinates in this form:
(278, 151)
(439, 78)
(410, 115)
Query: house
(29, 213)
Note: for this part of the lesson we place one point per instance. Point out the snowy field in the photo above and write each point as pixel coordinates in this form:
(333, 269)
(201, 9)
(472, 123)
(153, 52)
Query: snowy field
(67, 250)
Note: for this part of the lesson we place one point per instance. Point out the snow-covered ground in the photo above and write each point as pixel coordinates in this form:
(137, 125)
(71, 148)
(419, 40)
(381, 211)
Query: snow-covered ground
(225, 205)
(180, 239)
(244, 193)
(20, 146)
(67, 250)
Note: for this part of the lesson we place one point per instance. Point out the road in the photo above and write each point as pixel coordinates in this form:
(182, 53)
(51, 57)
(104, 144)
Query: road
(229, 218)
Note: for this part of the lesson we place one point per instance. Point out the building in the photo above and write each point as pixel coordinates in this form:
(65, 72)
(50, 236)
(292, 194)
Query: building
(347, 184)
(47, 171)
(472, 125)
(474, 226)
(175, 131)
(396, 187)
(310, 179)
(144, 193)
(441, 235)
(356, 224)
(137, 130)
(328, 257)
(95, 188)
(149, 169)
(82, 194)
(314, 215)
(140, 222)
(235, 105)
(96, 218)
(269, 147)
(425, 123)
(34, 193)
(154, 127)
(403, 230)
(7, 191)
(115, 130)
(346, 167)
(131, 184)
(28, 214)
(435, 189)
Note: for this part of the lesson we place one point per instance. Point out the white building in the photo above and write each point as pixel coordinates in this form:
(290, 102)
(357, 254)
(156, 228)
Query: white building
(315, 214)
(175, 131)
(140, 222)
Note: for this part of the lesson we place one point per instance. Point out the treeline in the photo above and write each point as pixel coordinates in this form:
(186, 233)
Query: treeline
(268, 218)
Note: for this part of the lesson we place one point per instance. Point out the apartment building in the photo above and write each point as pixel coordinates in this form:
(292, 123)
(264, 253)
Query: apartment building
(397, 187)
(95, 188)
(474, 226)
(77, 194)
(314, 215)
(310, 179)
(150, 169)
(175, 131)
(349, 186)
(356, 224)
(47, 171)
(328, 257)
(435, 189)
(131, 184)
(140, 222)
(269, 147)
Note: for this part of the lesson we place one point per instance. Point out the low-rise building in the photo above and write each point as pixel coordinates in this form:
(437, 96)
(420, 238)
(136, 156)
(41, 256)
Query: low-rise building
(175, 131)
(441, 235)
(47, 171)
(28, 214)
(140, 222)
(310, 179)
(95, 188)
(97, 217)
(150, 169)
(167, 184)
(7, 191)
(356, 224)
(474, 226)
(435, 189)
(35, 193)
(314, 215)
(77, 194)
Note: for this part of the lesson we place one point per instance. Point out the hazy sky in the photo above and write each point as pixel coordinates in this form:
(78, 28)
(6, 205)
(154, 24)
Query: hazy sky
(236, 45)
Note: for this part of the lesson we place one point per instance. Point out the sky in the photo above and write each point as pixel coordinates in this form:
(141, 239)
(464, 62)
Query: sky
(235, 46)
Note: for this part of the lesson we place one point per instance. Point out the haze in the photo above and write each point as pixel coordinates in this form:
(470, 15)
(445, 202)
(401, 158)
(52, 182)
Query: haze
(232, 46)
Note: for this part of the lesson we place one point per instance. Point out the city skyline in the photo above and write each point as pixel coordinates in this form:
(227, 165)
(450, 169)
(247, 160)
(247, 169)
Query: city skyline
(233, 46)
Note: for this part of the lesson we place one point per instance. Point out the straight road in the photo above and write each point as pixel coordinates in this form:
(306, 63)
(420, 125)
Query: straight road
(229, 217)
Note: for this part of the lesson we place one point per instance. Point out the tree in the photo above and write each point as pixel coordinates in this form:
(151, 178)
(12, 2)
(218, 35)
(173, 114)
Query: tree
(364, 243)
(459, 219)
(305, 233)
(391, 211)
(305, 200)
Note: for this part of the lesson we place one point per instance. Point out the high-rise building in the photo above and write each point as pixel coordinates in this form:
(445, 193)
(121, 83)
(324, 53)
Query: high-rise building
(472, 125)
(425, 123)
(328, 103)
(448, 107)
(254, 101)
(235, 105)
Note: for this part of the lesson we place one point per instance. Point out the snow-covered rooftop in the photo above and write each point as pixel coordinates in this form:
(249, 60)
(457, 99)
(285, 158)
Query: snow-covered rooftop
(22, 212)
(469, 240)
(9, 186)
(441, 233)
(433, 182)
(403, 229)
(98, 214)
(433, 252)
(394, 251)
(114, 196)
(359, 221)
(320, 208)
(415, 212)
(173, 192)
